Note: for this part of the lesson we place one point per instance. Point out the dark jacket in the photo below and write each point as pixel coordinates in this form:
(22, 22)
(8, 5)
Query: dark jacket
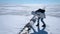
(40, 10)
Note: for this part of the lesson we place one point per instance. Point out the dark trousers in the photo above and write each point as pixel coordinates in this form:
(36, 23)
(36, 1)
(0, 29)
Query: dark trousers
(41, 21)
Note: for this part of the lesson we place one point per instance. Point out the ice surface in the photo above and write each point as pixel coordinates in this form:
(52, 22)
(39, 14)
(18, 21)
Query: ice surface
(12, 24)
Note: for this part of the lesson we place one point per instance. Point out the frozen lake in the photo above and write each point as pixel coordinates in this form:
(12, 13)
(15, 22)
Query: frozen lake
(12, 24)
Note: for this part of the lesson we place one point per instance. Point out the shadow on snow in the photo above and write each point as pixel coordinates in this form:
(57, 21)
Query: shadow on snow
(40, 31)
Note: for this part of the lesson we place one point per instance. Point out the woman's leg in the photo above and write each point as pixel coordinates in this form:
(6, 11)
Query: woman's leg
(44, 25)
(38, 21)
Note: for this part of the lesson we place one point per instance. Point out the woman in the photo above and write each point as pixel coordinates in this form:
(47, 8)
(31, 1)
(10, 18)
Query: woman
(41, 15)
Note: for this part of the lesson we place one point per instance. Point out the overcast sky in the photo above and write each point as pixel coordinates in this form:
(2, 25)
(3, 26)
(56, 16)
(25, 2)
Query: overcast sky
(31, 1)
